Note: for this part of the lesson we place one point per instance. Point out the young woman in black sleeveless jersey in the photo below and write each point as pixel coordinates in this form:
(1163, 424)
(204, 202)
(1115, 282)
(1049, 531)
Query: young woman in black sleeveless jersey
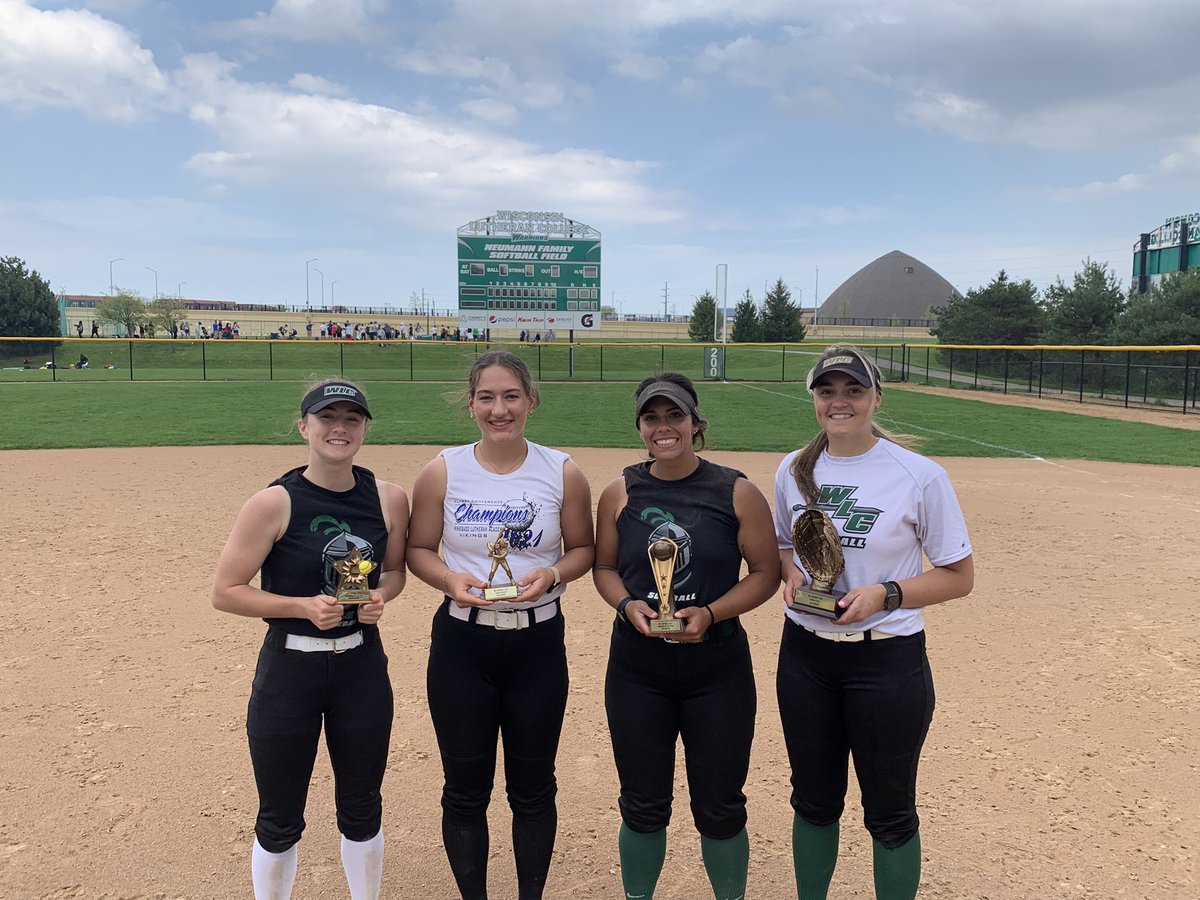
(322, 663)
(698, 682)
(498, 668)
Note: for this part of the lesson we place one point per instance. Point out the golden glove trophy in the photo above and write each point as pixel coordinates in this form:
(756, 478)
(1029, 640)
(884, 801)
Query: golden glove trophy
(819, 547)
(498, 550)
(352, 584)
(662, 555)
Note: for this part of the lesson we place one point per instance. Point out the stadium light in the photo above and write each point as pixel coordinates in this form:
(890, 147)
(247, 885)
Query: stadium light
(110, 273)
(155, 271)
(306, 262)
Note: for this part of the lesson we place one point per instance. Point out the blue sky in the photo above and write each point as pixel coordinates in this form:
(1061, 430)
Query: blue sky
(224, 144)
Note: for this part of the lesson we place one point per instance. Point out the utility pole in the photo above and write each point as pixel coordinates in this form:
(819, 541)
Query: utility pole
(665, 290)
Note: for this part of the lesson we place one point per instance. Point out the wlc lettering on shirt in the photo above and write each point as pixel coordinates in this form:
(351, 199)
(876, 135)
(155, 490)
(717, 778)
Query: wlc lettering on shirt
(838, 501)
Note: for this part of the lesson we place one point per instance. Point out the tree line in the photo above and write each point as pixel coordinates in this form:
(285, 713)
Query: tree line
(776, 322)
(1094, 309)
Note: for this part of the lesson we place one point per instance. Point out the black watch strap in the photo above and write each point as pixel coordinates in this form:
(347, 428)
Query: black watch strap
(895, 596)
(621, 607)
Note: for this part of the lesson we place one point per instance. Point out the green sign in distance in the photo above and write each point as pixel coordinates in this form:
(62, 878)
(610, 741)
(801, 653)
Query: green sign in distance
(528, 283)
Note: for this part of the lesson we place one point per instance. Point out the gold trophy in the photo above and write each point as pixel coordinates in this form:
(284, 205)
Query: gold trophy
(819, 547)
(662, 555)
(498, 550)
(352, 587)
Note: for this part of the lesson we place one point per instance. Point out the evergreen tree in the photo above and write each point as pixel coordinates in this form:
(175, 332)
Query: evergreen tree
(1168, 313)
(27, 305)
(1085, 312)
(780, 317)
(746, 325)
(704, 313)
(1004, 312)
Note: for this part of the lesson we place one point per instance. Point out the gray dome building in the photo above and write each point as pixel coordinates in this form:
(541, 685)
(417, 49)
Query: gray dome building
(895, 289)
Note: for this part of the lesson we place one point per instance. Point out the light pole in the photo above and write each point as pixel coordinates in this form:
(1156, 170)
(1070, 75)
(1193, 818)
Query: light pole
(721, 290)
(155, 271)
(110, 274)
(306, 262)
(332, 297)
(322, 274)
(179, 290)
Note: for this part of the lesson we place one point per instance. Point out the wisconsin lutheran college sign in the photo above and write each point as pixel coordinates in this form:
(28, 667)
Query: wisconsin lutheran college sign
(530, 271)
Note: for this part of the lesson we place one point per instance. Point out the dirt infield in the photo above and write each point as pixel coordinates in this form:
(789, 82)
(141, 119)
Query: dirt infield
(1062, 761)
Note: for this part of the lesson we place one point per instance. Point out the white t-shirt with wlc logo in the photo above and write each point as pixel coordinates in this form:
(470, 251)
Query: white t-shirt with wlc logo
(890, 506)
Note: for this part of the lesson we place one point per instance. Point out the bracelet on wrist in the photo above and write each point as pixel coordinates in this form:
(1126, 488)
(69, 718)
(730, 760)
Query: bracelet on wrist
(621, 607)
(557, 576)
(712, 616)
(445, 578)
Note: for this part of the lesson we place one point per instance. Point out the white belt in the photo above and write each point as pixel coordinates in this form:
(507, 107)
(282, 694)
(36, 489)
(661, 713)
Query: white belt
(851, 636)
(507, 619)
(308, 644)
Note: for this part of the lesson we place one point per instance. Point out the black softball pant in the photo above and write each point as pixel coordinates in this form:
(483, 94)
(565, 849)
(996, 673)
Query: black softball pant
(483, 682)
(872, 700)
(654, 693)
(293, 694)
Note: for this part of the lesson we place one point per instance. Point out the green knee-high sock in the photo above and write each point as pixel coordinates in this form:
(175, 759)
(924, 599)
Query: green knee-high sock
(726, 863)
(897, 871)
(642, 857)
(814, 854)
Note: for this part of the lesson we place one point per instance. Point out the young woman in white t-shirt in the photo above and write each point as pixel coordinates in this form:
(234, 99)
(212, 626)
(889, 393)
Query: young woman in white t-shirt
(861, 684)
(499, 667)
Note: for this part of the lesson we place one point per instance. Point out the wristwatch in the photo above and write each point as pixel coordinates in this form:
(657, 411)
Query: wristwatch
(621, 607)
(894, 596)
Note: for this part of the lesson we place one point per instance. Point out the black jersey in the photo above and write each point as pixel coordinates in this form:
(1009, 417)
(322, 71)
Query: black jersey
(695, 512)
(325, 526)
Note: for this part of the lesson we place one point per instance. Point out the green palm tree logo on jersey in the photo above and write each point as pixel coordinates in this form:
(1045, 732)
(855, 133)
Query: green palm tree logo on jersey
(332, 525)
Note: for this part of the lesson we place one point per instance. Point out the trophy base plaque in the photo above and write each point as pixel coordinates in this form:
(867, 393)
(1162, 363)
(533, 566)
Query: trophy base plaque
(666, 626)
(353, 596)
(818, 603)
(502, 592)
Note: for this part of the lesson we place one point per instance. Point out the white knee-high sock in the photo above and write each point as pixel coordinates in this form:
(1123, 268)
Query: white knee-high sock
(363, 862)
(273, 873)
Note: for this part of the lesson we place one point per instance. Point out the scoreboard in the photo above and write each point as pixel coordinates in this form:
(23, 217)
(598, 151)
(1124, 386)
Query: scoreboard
(528, 271)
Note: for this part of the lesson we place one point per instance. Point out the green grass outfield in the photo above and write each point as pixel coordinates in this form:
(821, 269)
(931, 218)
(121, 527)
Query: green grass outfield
(774, 418)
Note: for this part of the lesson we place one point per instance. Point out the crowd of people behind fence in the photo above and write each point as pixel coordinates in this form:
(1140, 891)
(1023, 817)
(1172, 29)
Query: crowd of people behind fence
(331, 330)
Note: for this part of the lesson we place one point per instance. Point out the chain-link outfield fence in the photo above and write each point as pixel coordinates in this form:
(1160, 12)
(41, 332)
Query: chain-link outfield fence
(1166, 377)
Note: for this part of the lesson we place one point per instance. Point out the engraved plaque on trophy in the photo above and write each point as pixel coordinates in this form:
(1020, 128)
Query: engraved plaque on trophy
(352, 587)
(498, 551)
(819, 547)
(662, 555)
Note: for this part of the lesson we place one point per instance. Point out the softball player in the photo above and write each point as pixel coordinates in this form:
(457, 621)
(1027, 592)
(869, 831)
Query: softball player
(322, 662)
(698, 683)
(860, 684)
(499, 667)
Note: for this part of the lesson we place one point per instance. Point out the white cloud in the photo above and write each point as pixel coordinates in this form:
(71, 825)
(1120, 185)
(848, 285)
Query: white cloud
(402, 163)
(75, 59)
(308, 83)
(496, 112)
(311, 20)
(640, 67)
(1174, 170)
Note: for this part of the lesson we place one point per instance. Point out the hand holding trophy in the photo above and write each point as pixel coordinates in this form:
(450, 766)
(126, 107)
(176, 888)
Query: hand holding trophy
(498, 551)
(819, 547)
(663, 553)
(352, 587)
